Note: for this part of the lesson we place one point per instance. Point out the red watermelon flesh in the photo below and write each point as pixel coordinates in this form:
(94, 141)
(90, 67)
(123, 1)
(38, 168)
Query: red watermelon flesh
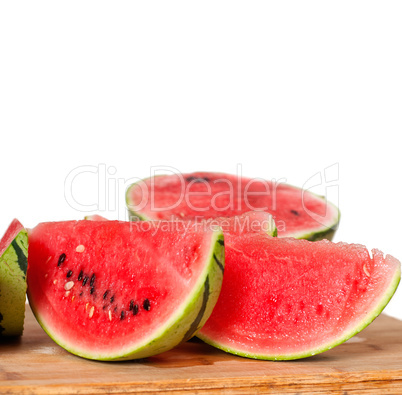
(250, 222)
(283, 298)
(297, 213)
(112, 290)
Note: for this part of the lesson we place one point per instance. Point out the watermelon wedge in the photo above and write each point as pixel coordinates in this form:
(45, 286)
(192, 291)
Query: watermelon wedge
(284, 298)
(110, 290)
(297, 213)
(13, 268)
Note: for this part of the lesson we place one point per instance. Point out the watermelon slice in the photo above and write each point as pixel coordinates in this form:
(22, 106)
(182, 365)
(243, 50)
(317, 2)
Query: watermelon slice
(297, 213)
(284, 298)
(13, 268)
(110, 290)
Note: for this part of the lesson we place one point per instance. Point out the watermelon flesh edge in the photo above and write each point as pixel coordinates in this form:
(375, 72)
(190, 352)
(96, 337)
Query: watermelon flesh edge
(298, 213)
(298, 298)
(99, 334)
(253, 222)
(13, 267)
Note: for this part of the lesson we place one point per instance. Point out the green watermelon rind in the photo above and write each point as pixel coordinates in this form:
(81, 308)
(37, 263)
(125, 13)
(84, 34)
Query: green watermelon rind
(324, 232)
(190, 316)
(346, 335)
(13, 268)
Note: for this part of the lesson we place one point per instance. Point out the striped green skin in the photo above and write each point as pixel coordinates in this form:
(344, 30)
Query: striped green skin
(13, 268)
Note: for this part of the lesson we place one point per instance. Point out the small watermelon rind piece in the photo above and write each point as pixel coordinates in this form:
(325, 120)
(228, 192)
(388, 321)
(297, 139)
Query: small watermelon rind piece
(326, 231)
(95, 217)
(188, 319)
(13, 268)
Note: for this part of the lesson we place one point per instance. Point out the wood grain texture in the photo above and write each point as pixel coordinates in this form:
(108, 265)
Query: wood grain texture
(370, 363)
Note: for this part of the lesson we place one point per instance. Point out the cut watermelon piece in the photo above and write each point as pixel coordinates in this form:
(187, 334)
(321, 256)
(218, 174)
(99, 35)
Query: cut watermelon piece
(297, 213)
(13, 268)
(110, 290)
(283, 298)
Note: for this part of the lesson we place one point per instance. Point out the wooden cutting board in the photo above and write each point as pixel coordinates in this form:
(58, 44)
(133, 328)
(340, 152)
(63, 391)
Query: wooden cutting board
(369, 363)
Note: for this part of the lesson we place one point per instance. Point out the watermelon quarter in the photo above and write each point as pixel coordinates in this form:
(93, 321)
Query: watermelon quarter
(13, 268)
(110, 290)
(297, 213)
(284, 298)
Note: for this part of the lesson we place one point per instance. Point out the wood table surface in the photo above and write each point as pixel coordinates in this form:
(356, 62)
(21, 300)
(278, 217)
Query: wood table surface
(369, 363)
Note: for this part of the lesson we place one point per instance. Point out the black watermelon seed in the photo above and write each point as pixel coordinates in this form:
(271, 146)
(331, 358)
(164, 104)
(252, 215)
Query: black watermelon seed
(92, 290)
(131, 305)
(69, 273)
(80, 275)
(197, 179)
(295, 212)
(112, 299)
(62, 258)
(135, 309)
(122, 315)
(105, 294)
(81, 293)
(146, 305)
(86, 278)
(115, 309)
(92, 280)
(104, 307)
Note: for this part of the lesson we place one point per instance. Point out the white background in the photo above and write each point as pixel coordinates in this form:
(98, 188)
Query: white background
(278, 90)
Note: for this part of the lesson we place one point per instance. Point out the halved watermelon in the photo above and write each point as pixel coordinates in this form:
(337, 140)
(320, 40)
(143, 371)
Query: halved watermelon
(110, 290)
(13, 268)
(284, 298)
(297, 213)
